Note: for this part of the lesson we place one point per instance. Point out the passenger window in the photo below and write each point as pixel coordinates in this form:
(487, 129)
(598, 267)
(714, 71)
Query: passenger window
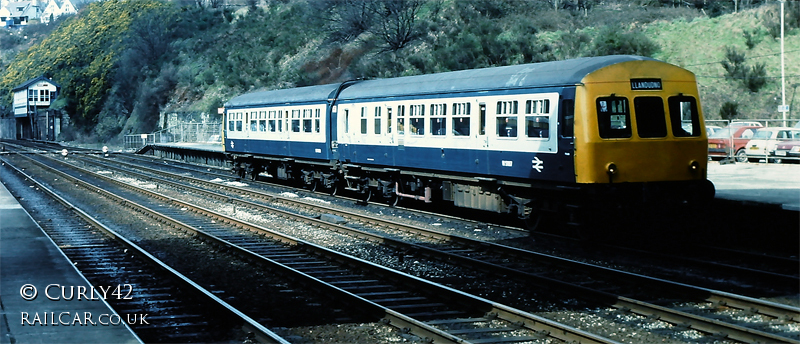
(416, 119)
(296, 121)
(537, 118)
(461, 119)
(307, 115)
(438, 120)
(613, 117)
(507, 118)
(568, 119)
(363, 119)
(377, 120)
(401, 120)
(683, 116)
(316, 120)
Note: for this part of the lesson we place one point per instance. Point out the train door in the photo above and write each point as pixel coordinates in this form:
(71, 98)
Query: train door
(333, 135)
(482, 137)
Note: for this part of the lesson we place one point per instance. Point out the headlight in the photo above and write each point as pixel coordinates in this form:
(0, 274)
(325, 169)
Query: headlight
(796, 149)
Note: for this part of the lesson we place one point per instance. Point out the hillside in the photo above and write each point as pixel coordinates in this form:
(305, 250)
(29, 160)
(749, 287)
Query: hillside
(121, 63)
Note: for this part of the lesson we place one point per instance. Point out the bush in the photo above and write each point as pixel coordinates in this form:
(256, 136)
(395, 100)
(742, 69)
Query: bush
(729, 110)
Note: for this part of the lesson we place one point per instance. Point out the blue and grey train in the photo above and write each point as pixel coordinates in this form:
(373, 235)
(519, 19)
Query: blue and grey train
(528, 140)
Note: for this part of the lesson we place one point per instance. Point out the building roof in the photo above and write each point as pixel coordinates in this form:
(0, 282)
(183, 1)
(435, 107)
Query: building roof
(33, 81)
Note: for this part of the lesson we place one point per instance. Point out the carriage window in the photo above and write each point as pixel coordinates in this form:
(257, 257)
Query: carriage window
(507, 119)
(316, 120)
(262, 121)
(307, 116)
(377, 120)
(461, 119)
(253, 121)
(650, 119)
(416, 118)
(280, 120)
(401, 119)
(568, 119)
(388, 120)
(271, 116)
(296, 121)
(438, 120)
(613, 117)
(482, 120)
(346, 121)
(363, 119)
(537, 118)
(683, 116)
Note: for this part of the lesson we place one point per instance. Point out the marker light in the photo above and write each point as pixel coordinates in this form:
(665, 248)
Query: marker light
(694, 166)
(611, 169)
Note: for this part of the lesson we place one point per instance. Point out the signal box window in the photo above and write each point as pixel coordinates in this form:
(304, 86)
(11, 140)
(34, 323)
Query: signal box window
(613, 117)
(683, 116)
(507, 118)
(650, 119)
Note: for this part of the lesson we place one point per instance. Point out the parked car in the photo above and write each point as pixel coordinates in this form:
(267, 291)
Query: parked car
(730, 142)
(788, 150)
(745, 123)
(765, 140)
(712, 129)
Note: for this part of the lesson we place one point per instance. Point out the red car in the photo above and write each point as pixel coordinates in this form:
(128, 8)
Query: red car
(788, 150)
(722, 144)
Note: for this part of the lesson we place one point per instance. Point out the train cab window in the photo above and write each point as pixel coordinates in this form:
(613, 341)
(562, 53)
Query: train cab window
(416, 119)
(613, 117)
(401, 120)
(650, 119)
(438, 119)
(461, 119)
(363, 119)
(537, 118)
(683, 116)
(507, 118)
(377, 120)
(568, 118)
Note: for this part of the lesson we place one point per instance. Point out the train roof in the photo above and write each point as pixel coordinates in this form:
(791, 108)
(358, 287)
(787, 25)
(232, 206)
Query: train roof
(309, 94)
(544, 74)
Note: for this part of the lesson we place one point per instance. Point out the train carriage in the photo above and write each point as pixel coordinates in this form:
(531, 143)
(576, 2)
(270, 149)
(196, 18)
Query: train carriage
(527, 140)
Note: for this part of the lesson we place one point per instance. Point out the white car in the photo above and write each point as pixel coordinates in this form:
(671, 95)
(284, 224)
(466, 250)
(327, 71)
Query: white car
(749, 124)
(765, 140)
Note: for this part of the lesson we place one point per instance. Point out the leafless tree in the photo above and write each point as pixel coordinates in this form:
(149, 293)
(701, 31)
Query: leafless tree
(397, 23)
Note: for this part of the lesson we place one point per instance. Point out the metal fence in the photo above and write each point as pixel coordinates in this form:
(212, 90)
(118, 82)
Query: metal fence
(764, 122)
(181, 133)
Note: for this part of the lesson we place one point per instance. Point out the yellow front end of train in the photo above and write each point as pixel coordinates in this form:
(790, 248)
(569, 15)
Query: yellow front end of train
(639, 122)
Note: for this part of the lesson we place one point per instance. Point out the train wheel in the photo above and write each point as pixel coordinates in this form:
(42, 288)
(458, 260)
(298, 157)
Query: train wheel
(313, 186)
(367, 195)
(334, 189)
(535, 221)
(393, 200)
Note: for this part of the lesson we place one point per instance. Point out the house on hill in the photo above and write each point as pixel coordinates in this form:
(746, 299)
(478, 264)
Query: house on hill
(55, 9)
(19, 13)
(32, 113)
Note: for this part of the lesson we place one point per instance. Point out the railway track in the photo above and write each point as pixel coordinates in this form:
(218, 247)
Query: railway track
(372, 288)
(466, 250)
(165, 306)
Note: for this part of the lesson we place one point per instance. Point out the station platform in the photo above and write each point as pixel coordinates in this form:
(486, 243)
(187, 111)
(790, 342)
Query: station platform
(30, 259)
